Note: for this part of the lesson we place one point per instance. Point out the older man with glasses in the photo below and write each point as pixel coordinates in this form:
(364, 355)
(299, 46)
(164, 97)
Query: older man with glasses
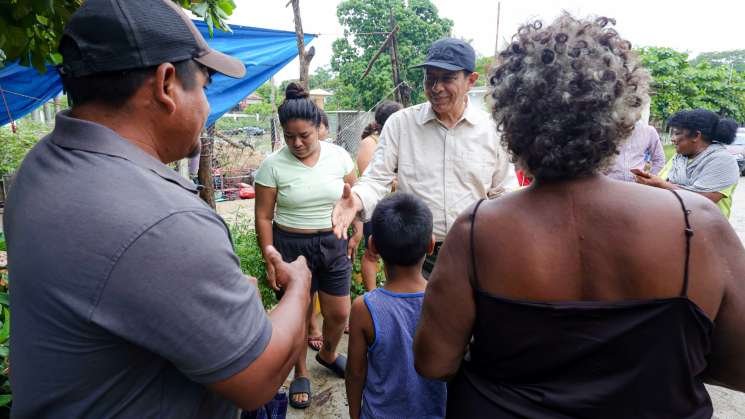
(445, 151)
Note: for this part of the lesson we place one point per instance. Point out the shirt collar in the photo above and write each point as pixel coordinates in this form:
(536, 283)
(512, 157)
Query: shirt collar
(471, 114)
(80, 134)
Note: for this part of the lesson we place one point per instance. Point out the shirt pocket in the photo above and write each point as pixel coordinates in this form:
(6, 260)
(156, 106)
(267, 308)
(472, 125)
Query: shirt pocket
(472, 167)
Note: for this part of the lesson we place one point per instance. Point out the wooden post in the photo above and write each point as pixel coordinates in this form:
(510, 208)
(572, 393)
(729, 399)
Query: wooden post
(303, 55)
(402, 92)
(496, 44)
(205, 169)
(273, 124)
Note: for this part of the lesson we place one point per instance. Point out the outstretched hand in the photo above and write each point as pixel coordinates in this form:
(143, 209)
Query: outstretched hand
(344, 213)
(646, 178)
(286, 275)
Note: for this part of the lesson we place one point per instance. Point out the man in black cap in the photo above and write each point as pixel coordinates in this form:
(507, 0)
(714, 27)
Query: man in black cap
(128, 299)
(445, 151)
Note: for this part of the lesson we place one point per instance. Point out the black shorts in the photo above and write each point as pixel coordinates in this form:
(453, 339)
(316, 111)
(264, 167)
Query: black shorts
(367, 232)
(327, 258)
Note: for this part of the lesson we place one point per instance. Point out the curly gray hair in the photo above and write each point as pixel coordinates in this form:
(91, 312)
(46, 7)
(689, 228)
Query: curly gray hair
(566, 95)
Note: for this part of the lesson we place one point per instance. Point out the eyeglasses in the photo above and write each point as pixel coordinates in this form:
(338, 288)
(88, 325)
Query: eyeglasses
(447, 79)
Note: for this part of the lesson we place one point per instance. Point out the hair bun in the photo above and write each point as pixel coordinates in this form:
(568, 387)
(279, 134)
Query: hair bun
(295, 91)
(725, 131)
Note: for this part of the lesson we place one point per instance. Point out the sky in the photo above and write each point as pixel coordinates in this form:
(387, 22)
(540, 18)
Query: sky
(712, 25)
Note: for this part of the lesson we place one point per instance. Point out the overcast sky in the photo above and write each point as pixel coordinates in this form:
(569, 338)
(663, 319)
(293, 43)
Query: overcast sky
(711, 25)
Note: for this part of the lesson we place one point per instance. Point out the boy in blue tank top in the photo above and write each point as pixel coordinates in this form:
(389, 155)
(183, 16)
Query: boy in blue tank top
(380, 376)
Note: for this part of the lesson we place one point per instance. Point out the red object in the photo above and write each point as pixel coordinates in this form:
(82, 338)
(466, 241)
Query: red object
(246, 191)
(522, 178)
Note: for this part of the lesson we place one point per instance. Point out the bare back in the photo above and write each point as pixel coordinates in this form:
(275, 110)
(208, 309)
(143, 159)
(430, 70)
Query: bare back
(596, 239)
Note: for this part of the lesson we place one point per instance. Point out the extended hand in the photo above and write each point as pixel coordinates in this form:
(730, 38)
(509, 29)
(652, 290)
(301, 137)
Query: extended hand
(344, 213)
(286, 275)
(646, 178)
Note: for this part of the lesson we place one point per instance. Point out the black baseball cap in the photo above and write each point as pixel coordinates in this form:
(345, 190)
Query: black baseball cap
(450, 54)
(117, 35)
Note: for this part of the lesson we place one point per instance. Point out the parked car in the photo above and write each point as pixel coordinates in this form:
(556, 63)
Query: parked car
(737, 148)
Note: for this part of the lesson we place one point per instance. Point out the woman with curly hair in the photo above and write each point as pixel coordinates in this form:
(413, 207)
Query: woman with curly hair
(589, 304)
(702, 163)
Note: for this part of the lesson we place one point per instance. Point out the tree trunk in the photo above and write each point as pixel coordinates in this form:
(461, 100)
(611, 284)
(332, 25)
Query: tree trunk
(303, 56)
(205, 169)
(402, 89)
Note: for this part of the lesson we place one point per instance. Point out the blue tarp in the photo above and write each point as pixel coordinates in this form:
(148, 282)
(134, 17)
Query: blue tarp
(263, 51)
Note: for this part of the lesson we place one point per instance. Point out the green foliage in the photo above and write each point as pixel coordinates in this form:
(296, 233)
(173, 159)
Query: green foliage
(13, 147)
(483, 66)
(420, 26)
(31, 29)
(263, 109)
(247, 248)
(734, 58)
(678, 85)
(5, 393)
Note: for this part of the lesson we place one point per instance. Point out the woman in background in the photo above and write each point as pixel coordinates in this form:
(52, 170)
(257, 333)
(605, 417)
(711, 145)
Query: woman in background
(370, 137)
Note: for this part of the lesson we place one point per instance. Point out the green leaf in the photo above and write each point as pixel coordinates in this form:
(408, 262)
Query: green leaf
(5, 331)
(4, 351)
(5, 399)
(4, 300)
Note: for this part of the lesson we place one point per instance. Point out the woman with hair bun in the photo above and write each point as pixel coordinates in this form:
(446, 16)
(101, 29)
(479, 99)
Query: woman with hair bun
(296, 188)
(588, 304)
(370, 136)
(702, 163)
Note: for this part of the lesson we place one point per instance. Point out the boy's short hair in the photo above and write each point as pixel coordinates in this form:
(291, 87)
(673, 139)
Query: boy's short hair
(402, 229)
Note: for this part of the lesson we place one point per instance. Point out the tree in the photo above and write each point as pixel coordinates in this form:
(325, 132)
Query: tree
(678, 85)
(733, 58)
(304, 56)
(366, 24)
(483, 67)
(31, 29)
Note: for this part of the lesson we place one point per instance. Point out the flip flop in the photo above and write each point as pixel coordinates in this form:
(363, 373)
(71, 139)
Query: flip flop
(315, 342)
(300, 385)
(337, 367)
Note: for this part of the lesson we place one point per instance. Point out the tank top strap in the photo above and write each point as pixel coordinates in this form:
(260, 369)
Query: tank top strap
(474, 276)
(688, 234)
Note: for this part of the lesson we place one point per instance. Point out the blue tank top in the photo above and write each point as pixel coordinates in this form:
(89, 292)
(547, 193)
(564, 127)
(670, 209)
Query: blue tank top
(393, 389)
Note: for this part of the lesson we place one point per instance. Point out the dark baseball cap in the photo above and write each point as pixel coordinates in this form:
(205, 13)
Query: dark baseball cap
(450, 54)
(116, 35)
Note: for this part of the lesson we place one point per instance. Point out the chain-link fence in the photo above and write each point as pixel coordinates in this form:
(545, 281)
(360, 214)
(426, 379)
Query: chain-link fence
(345, 127)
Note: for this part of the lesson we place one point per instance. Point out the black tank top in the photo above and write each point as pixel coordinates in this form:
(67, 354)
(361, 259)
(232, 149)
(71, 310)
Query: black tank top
(585, 359)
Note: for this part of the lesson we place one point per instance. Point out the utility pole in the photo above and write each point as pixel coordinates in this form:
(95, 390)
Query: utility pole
(496, 44)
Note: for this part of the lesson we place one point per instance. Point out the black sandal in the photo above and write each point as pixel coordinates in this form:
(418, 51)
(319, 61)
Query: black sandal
(300, 385)
(338, 367)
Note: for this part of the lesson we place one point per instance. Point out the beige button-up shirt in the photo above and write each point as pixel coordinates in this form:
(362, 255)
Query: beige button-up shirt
(449, 169)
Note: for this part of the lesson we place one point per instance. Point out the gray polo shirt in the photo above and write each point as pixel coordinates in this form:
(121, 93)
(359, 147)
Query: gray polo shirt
(126, 294)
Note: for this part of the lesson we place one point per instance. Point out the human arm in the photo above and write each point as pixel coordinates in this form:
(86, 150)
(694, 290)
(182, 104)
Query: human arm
(178, 291)
(257, 384)
(646, 178)
(265, 202)
(360, 331)
(449, 310)
(365, 153)
(504, 177)
(656, 151)
(726, 362)
(378, 178)
(354, 240)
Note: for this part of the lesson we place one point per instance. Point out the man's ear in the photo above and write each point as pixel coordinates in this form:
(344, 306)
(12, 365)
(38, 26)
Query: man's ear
(431, 247)
(472, 79)
(372, 247)
(164, 87)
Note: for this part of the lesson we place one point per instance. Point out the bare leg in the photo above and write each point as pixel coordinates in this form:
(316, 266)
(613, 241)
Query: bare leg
(335, 310)
(369, 264)
(313, 329)
(301, 367)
